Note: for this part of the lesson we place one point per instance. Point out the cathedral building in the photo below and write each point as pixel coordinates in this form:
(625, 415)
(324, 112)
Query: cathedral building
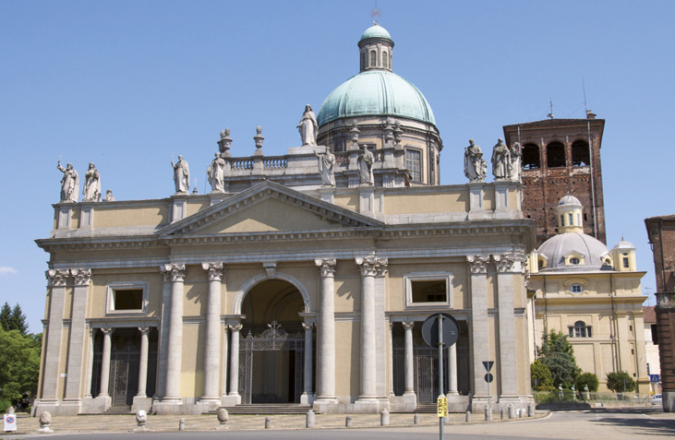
(301, 279)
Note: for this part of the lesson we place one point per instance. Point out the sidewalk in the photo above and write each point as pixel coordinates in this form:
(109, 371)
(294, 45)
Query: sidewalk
(127, 423)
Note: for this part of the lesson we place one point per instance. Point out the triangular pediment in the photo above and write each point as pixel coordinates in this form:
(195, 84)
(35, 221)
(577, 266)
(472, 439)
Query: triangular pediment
(269, 207)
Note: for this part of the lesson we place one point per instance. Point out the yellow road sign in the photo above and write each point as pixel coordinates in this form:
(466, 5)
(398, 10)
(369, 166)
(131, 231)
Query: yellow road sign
(442, 407)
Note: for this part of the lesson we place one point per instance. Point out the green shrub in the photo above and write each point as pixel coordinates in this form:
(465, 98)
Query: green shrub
(587, 379)
(620, 381)
(539, 371)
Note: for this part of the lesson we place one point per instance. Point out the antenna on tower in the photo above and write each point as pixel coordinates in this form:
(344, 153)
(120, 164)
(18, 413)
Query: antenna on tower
(374, 13)
(550, 115)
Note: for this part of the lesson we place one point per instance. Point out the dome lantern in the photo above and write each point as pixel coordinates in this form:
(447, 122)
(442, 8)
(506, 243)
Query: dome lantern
(569, 215)
(375, 49)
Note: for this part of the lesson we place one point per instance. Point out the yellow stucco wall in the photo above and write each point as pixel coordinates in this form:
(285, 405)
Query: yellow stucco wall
(192, 365)
(114, 216)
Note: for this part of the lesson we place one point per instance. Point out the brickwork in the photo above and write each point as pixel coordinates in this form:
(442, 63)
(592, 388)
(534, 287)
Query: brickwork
(544, 186)
(665, 330)
(661, 232)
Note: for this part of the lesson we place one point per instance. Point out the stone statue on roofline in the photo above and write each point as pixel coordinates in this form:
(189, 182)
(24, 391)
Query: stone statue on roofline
(92, 185)
(501, 157)
(326, 167)
(308, 127)
(475, 167)
(514, 167)
(216, 174)
(365, 163)
(109, 197)
(70, 184)
(181, 175)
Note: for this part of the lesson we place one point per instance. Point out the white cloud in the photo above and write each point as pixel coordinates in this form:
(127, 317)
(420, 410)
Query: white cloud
(6, 270)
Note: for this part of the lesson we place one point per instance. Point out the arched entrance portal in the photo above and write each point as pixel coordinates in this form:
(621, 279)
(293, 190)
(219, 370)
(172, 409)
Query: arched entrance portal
(272, 344)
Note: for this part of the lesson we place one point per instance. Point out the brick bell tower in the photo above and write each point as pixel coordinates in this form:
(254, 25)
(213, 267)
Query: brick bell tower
(561, 156)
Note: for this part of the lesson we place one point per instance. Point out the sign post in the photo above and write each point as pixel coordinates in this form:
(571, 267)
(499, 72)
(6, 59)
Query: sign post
(435, 333)
(488, 379)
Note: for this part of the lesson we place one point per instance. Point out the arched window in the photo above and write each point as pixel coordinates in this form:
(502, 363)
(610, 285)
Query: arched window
(555, 155)
(571, 219)
(384, 60)
(373, 58)
(531, 159)
(574, 260)
(580, 154)
(581, 330)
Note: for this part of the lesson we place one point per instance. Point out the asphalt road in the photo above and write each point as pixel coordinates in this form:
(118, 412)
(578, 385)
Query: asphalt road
(568, 426)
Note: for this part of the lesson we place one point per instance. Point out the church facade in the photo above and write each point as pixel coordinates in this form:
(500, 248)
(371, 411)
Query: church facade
(300, 279)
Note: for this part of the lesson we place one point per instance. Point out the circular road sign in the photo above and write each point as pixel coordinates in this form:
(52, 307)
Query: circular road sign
(489, 377)
(450, 330)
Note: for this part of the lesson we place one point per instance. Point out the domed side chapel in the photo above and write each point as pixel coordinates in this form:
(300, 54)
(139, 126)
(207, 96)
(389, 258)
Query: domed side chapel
(302, 280)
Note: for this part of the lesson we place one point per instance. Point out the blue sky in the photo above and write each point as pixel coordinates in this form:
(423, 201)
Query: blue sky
(125, 84)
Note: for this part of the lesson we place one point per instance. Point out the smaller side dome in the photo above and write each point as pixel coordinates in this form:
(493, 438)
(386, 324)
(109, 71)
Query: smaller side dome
(569, 200)
(624, 245)
(376, 31)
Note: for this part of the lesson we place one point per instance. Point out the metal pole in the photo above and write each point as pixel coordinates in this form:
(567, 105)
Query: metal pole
(488, 385)
(440, 370)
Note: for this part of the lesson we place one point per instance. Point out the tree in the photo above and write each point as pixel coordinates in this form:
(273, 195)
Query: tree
(18, 320)
(587, 379)
(558, 355)
(542, 374)
(19, 364)
(620, 381)
(5, 316)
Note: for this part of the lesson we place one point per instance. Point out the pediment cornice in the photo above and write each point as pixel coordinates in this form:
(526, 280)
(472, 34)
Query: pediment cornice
(265, 190)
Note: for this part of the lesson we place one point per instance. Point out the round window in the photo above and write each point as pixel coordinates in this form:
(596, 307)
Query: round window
(574, 260)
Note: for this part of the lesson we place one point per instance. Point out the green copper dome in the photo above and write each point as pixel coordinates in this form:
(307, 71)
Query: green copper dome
(376, 31)
(376, 93)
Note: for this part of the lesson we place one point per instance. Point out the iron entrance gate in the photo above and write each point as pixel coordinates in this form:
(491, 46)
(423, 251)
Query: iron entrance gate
(124, 362)
(271, 341)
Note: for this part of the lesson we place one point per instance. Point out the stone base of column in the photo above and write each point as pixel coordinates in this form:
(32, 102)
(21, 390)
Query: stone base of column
(70, 407)
(370, 405)
(209, 404)
(141, 403)
(325, 406)
(668, 401)
(97, 405)
(230, 400)
(404, 403)
(58, 407)
(307, 399)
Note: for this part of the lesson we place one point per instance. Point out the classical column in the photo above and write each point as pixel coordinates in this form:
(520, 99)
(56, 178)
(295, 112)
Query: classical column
(90, 363)
(105, 362)
(173, 368)
(326, 333)
(391, 359)
(508, 373)
(409, 368)
(82, 277)
(452, 370)
(369, 269)
(224, 372)
(164, 330)
(56, 282)
(143, 364)
(307, 392)
(480, 350)
(212, 351)
(234, 360)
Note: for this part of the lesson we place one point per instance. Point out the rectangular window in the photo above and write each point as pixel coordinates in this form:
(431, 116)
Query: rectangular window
(655, 336)
(625, 262)
(570, 217)
(562, 220)
(126, 297)
(588, 332)
(571, 331)
(412, 163)
(428, 289)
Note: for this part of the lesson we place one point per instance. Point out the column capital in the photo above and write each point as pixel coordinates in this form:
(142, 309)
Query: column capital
(372, 266)
(505, 263)
(144, 330)
(478, 263)
(307, 325)
(408, 325)
(326, 266)
(175, 272)
(107, 330)
(215, 270)
(236, 327)
(82, 276)
(57, 277)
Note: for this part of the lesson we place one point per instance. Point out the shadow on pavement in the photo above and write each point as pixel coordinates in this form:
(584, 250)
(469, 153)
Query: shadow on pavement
(646, 426)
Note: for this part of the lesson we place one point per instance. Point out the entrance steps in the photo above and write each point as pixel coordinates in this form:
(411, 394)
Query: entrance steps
(268, 409)
(425, 408)
(118, 409)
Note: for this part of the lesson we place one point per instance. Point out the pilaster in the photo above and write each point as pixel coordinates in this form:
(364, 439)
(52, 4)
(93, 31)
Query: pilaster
(479, 336)
(507, 268)
(57, 280)
(73, 396)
